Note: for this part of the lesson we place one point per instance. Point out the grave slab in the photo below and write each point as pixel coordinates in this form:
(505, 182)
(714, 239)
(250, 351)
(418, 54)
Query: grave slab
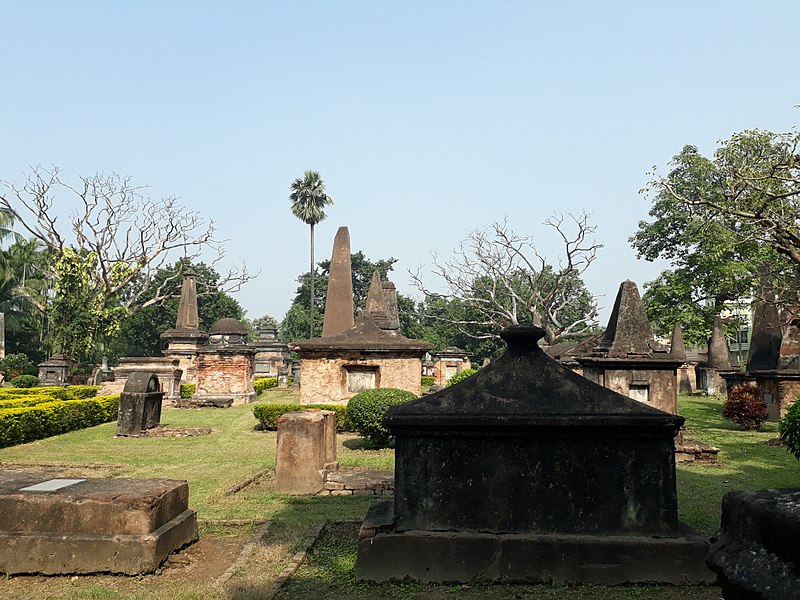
(120, 525)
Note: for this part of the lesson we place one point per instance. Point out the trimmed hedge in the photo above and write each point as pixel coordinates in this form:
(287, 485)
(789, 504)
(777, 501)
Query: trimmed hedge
(25, 424)
(16, 397)
(428, 380)
(268, 414)
(187, 390)
(264, 383)
(460, 376)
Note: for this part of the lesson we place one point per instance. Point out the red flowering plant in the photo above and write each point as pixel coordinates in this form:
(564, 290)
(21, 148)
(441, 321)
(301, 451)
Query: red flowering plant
(745, 406)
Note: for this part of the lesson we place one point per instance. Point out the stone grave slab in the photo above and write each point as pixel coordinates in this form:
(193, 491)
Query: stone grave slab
(62, 526)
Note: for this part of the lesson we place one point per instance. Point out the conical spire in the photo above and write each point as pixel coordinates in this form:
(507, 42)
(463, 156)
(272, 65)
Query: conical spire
(677, 349)
(187, 308)
(765, 341)
(628, 331)
(339, 301)
(382, 303)
(376, 301)
(719, 356)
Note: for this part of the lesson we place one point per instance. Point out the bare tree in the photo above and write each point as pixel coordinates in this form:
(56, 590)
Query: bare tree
(128, 235)
(502, 279)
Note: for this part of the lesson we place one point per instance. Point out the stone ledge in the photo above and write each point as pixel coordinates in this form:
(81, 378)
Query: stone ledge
(444, 557)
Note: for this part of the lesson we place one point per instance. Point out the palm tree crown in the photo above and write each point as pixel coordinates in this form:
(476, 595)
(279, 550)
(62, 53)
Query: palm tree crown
(308, 198)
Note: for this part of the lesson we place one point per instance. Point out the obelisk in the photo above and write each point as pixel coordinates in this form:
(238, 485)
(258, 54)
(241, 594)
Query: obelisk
(339, 301)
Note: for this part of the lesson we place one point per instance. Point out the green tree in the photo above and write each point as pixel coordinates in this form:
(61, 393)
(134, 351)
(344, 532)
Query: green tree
(309, 200)
(724, 223)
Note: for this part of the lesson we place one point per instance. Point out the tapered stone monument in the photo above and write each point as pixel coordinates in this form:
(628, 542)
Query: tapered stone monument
(186, 339)
(339, 313)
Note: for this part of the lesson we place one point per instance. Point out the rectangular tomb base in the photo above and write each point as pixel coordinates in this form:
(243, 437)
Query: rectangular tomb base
(438, 557)
(125, 526)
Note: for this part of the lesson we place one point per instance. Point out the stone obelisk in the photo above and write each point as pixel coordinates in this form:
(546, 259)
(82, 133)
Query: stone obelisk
(339, 301)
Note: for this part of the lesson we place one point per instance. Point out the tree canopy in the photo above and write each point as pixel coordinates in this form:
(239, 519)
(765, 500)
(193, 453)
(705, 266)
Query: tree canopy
(725, 223)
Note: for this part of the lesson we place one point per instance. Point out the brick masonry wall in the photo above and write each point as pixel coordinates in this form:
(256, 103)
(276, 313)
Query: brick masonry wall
(324, 380)
(221, 374)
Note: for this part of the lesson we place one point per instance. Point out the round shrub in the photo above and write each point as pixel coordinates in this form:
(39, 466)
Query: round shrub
(188, 390)
(428, 380)
(366, 410)
(789, 428)
(460, 376)
(25, 381)
(745, 406)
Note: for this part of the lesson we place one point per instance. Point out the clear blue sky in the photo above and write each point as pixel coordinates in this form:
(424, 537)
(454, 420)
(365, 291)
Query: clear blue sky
(426, 119)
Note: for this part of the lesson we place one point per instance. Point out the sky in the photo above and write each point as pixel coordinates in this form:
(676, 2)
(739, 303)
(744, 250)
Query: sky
(426, 120)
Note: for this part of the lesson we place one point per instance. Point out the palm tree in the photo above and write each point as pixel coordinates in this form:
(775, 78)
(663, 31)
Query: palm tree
(309, 199)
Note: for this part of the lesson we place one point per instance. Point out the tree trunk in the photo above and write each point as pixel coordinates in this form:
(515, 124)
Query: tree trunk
(311, 307)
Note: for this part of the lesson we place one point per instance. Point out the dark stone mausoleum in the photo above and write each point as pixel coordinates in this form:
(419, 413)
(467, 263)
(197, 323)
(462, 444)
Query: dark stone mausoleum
(527, 471)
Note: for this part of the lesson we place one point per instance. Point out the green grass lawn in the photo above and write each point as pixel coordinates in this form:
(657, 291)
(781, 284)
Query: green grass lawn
(236, 451)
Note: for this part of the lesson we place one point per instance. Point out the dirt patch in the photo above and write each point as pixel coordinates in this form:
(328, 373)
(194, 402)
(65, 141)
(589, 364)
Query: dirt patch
(774, 442)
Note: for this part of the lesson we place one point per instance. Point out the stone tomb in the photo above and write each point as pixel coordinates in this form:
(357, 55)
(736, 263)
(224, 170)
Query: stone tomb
(63, 526)
(139, 405)
(306, 451)
(56, 370)
(225, 367)
(528, 472)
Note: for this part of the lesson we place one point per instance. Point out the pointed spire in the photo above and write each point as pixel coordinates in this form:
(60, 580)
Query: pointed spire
(187, 308)
(628, 331)
(719, 356)
(382, 303)
(376, 301)
(339, 301)
(677, 349)
(765, 340)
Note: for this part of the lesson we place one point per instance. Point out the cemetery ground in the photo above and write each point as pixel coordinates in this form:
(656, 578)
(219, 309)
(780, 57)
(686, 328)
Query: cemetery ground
(249, 534)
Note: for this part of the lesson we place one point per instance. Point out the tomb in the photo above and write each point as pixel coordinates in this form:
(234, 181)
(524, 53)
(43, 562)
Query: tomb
(64, 526)
(755, 553)
(56, 370)
(225, 367)
(184, 341)
(719, 366)
(365, 354)
(528, 472)
(272, 357)
(166, 369)
(306, 451)
(773, 362)
(628, 360)
(139, 405)
(448, 362)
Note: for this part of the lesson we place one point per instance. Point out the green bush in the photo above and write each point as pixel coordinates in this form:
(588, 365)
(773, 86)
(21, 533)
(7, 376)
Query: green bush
(789, 428)
(14, 365)
(460, 376)
(264, 383)
(268, 414)
(366, 410)
(745, 407)
(25, 424)
(428, 380)
(25, 381)
(187, 390)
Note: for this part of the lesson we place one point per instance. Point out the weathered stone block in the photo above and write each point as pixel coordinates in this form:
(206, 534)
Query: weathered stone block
(306, 451)
(756, 552)
(93, 525)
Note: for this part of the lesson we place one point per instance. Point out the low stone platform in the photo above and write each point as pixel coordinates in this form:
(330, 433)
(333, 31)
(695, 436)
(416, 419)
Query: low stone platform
(63, 526)
(756, 552)
(358, 483)
(440, 557)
